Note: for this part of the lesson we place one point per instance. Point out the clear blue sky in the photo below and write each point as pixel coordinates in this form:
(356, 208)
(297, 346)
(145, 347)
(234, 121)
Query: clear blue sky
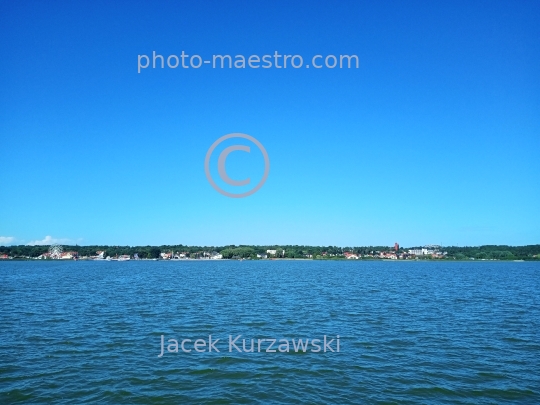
(434, 139)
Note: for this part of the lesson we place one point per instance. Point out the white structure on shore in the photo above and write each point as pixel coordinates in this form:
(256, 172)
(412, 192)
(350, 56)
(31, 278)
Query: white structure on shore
(55, 251)
(275, 252)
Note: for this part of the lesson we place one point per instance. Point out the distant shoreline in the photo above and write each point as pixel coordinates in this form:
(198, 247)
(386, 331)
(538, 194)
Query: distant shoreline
(273, 252)
(23, 259)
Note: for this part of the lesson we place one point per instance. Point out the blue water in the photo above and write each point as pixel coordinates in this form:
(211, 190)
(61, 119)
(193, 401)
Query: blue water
(410, 332)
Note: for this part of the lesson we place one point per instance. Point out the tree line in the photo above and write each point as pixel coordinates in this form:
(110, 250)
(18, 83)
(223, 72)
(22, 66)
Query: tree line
(487, 252)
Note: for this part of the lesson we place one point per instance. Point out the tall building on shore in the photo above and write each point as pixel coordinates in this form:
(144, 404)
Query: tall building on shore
(396, 246)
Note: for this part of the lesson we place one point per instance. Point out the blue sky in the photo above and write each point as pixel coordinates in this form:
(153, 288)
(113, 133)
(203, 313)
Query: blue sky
(434, 139)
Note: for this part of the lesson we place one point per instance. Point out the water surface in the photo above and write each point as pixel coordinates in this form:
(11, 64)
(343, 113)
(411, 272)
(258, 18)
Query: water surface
(410, 332)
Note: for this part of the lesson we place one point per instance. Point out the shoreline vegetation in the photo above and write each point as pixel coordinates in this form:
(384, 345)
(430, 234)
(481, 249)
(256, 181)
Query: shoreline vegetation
(273, 252)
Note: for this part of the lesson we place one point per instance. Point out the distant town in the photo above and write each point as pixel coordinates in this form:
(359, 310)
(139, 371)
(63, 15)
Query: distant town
(245, 252)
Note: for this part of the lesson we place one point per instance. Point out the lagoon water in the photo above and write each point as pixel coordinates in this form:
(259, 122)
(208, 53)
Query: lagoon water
(410, 332)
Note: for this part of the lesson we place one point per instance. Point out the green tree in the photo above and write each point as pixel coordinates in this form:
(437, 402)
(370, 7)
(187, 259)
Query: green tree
(154, 253)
